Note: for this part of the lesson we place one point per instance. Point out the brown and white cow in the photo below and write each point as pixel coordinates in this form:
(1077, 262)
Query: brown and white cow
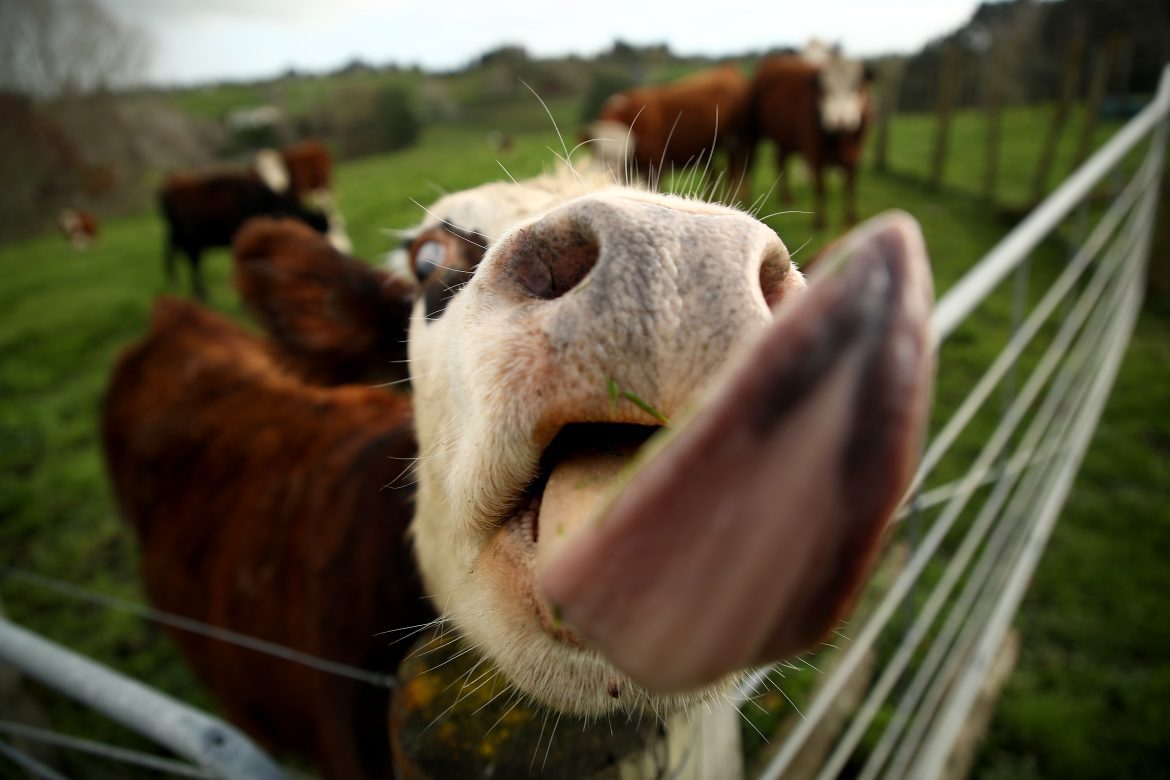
(309, 169)
(205, 208)
(80, 227)
(646, 457)
(815, 104)
(648, 131)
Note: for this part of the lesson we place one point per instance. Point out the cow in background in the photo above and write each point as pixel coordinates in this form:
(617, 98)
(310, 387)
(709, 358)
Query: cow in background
(310, 177)
(651, 130)
(309, 166)
(79, 226)
(815, 104)
(205, 208)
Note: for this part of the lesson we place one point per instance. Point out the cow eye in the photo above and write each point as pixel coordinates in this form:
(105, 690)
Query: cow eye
(427, 257)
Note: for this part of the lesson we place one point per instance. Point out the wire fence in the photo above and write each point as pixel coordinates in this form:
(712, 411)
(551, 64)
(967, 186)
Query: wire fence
(967, 92)
(938, 659)
(982, 559)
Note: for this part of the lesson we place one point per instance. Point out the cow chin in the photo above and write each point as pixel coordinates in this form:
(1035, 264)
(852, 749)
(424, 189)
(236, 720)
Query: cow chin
(536, 652)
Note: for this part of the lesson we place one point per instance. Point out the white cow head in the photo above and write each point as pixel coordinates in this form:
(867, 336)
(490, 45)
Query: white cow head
(843, 96)
(612, 144)
(599, 573)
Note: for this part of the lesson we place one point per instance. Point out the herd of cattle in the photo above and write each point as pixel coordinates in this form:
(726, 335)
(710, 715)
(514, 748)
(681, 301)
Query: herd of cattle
(445, 444)
(813, 104)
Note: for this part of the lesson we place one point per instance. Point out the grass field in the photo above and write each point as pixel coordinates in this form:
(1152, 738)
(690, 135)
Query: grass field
(1091, 695)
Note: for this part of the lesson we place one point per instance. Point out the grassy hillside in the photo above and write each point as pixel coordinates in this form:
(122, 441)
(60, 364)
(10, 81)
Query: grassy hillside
(1089, 698)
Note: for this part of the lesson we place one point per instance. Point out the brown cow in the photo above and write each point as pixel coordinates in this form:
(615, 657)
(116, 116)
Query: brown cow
(309, 165)
(256, 501)
(204, 209)
(817, 107)
(652, 130)
(583, 329)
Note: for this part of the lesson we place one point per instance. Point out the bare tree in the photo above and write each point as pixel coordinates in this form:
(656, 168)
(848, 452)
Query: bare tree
(59, 48)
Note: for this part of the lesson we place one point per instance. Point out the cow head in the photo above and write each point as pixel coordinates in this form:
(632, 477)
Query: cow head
(843, 96)
(647, 459)
(612, 143)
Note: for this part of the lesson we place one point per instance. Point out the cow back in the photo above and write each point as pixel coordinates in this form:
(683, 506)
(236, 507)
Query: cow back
(259, 506)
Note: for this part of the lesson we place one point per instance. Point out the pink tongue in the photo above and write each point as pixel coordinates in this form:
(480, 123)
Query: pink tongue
(745, 532)
(573, 496)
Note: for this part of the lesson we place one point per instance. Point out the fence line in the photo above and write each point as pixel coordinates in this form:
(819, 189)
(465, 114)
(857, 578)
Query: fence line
(1039, 429)
(28, 763)
(183, 623)
(185, 731)
(1078, 372)
(102, 750)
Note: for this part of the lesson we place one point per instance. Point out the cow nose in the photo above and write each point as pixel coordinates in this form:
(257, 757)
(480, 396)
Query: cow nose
(648, 253)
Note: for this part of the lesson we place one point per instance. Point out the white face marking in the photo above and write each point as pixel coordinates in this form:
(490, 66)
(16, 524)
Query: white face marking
(842, 103)
(674, 289)
(272, 171)
(612, 143)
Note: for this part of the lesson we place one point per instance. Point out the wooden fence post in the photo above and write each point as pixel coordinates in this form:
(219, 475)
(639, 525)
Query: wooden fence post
(946, 105)
(1072, 67)
(994, 98)
(1101, 71)
(891, 78)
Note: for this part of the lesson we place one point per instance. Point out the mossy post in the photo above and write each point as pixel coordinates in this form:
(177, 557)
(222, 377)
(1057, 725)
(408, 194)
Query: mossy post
(993, 97)
(1072, 72)
(1102, 69)
(948, 86)
(890, 73)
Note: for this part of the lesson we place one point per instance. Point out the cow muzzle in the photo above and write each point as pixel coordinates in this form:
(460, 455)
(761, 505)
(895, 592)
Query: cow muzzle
(741, 532)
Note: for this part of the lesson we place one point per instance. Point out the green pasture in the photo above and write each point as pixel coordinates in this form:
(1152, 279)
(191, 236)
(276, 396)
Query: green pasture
(1091, 694)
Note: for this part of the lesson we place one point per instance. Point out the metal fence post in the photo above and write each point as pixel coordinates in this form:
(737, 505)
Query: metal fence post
(194, 735)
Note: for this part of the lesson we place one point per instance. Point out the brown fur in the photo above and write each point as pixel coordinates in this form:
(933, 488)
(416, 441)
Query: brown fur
(785, 111)
(258, 501)
(673, 124)
(334, 318)
(310, 167)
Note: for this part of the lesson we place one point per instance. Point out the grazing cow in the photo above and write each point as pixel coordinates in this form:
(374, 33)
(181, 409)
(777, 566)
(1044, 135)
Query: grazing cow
(310, 167)
(204, 209)
(816, 105)
(79, 226)
(599, 575)
(650, 130)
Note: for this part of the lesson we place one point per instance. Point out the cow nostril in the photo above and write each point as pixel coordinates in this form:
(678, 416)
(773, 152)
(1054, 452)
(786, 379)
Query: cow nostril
(773, 270)
(547, 263)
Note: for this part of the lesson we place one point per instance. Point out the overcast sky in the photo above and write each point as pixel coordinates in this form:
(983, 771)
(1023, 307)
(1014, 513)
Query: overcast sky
(198, 40)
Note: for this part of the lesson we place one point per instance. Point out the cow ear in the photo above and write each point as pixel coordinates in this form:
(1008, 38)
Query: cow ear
(330, 318)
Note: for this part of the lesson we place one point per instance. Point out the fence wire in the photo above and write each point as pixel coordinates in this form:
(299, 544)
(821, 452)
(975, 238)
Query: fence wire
(939, 661)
